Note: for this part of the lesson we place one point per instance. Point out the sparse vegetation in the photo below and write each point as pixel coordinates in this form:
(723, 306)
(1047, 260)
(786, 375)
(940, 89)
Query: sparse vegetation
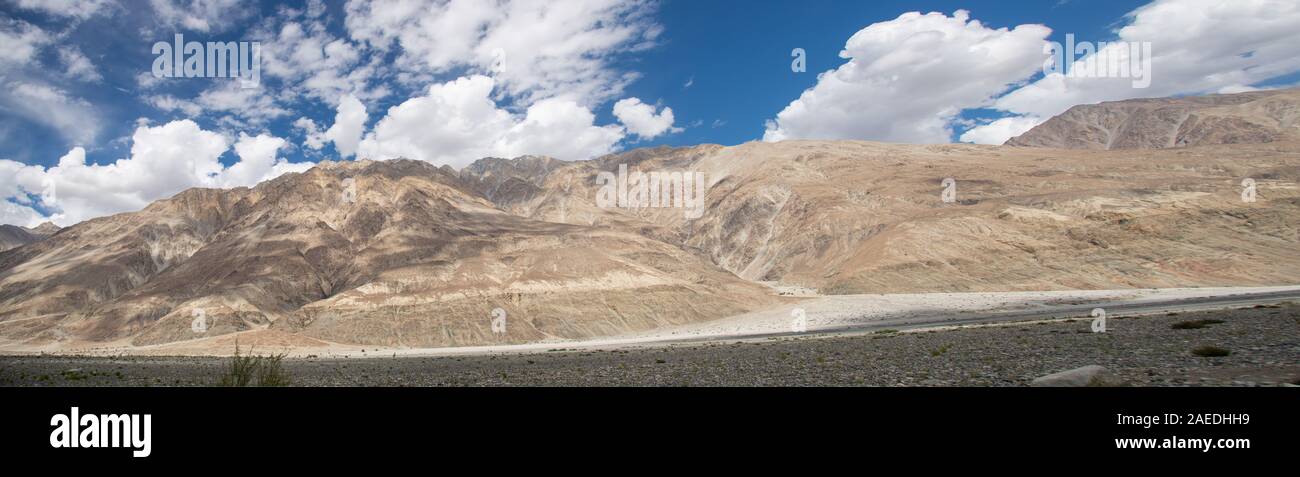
(1194, 324)
(1208, 351)
(254, 370)
(940, 351)
(74, 375)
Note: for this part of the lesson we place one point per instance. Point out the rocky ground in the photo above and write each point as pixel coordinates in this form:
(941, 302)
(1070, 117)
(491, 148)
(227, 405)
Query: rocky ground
(1263, 342)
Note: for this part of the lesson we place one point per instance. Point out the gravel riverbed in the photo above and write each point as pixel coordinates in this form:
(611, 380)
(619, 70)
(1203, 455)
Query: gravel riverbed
(1263, 346)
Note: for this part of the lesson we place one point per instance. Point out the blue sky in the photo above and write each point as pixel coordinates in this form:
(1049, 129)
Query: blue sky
(738, 60)
(600, 76)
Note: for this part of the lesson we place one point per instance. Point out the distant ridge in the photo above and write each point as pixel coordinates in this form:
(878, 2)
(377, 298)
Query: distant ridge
(1242, 118)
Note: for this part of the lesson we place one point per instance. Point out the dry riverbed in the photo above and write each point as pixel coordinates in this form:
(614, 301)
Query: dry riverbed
(1263, 346)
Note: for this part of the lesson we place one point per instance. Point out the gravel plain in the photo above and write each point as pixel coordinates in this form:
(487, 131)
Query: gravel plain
(1153, 350)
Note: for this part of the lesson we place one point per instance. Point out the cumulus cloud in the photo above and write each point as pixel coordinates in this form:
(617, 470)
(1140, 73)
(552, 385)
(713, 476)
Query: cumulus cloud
(165, 160)
(907, 78)
(640, 118)
(258, 161)
(458, 122)
(534, 49)
(349, 124)
(1197, 46)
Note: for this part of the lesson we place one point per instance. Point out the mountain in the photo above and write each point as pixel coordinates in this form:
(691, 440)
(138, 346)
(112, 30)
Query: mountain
(44, 230)
(403, 253)
(863, 217)
(13, 236)
(1242, 118)
(397, 253)
(494, 177)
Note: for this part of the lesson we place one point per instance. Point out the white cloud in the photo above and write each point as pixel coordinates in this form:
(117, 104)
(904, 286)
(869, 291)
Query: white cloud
(251, 106)
(535, 49)
(312, 137)
(21, 41)
(301, 51)
(1197, 46)
(907, 78)
(74, 118)
(559, 128)
(997, 132)
(146, 81)
(80, 9)
(258, 161)
(169, 103)
(202, 15)
(640, 118)
(77, 66)
(164, 160)
(457, 123)
(349, 124)
(14, 214)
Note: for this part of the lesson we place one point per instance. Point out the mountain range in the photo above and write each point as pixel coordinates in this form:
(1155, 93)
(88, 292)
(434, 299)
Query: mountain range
(406, 254)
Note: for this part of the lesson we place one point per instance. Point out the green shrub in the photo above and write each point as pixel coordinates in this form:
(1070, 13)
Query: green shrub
(254, 370)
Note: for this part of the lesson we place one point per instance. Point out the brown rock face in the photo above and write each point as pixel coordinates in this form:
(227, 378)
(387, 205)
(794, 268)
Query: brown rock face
(396, 253)
(861, 217)
(1243, 118)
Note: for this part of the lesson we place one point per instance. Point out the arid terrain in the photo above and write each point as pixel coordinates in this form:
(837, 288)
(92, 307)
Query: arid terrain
(1262, 345)
(404, 255)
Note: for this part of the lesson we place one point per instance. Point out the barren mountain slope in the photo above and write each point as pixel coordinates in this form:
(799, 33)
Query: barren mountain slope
(1243, 118)
(854, 217)
(396, 253)
(13, 236)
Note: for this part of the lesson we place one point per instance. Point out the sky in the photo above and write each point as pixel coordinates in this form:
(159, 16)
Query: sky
(93, 123)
